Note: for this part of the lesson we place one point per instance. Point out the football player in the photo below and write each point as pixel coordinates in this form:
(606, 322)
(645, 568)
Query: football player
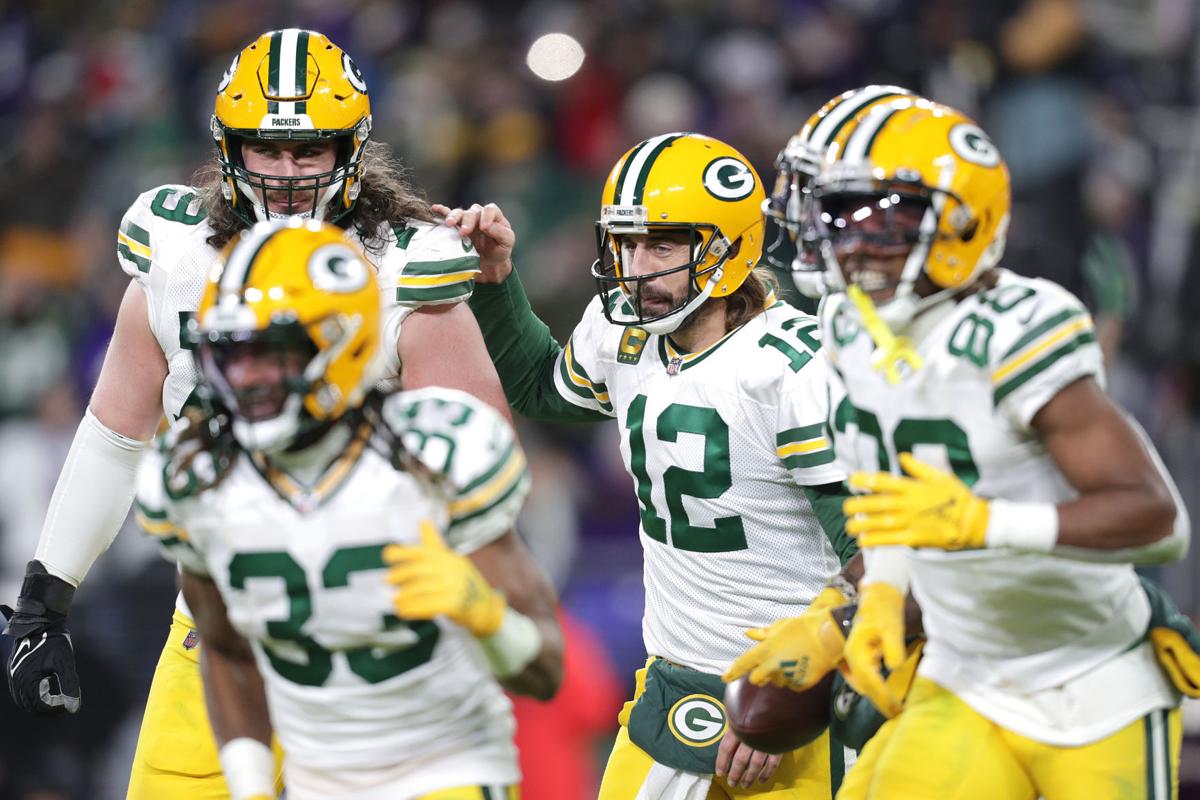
(347, 555)
(998, 480)
(816, 639)
(291, 124)
(722, 403)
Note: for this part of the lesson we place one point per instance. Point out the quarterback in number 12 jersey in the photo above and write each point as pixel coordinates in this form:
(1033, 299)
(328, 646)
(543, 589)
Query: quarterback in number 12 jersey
(360, 698)
(720, 444)
(1049, 647)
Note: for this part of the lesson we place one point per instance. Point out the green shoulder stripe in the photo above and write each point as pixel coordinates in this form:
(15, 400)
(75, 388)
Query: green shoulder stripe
(443, 268)
(1037, 367)
(802, 434)
(416, 295)
(150, 513)
(818, 458)
(582, 391)
(143, 264)
(503, 496)
(500, 464)
(1040, 330)
(136, 232)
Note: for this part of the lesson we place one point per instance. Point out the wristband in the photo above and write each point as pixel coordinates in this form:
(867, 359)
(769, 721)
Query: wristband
(513, 645)
(249, 767)
(1024, 526)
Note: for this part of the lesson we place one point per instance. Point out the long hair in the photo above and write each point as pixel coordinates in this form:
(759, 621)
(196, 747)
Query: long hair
(750, 298)
(386, 197)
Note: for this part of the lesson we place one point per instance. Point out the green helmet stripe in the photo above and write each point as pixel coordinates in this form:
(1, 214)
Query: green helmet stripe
(640, 186)
(273, 55)
(302, 71)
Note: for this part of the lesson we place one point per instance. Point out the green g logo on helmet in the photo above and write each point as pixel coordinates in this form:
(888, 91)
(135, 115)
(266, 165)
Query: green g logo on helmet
(726, 178)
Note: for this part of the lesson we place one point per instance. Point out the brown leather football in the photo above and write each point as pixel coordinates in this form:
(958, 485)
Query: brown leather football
(776, 720)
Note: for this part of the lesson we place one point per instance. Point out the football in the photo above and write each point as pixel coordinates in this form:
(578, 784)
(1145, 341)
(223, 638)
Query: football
(776, 720)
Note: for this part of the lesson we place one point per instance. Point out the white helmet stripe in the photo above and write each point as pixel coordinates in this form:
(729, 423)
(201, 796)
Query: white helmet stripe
(832, 122)
(237, 268)
(859, 144)
(629, 186)
(287, 70)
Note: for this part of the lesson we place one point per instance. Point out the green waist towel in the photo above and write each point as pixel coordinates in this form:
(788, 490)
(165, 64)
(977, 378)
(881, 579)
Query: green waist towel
(679, 719)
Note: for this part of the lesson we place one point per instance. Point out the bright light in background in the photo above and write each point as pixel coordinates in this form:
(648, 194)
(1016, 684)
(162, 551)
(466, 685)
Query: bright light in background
(555, 57)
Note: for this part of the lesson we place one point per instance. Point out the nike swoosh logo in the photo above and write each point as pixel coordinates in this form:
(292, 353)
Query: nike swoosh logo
(24, 650)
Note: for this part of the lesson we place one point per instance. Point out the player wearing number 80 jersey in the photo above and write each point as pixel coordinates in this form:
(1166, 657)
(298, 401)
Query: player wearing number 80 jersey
(998, 479)
(721, 399)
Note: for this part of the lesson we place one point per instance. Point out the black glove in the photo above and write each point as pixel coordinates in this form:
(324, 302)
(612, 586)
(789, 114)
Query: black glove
(41, 671)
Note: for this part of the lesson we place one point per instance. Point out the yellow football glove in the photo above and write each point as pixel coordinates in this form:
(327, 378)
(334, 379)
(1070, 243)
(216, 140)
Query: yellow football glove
(797, 652)
(1178, 659)
(930, 509)
(876, 640)
(432, 580)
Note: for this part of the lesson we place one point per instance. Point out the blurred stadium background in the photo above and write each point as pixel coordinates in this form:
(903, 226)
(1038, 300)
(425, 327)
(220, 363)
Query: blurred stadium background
(1093, 102)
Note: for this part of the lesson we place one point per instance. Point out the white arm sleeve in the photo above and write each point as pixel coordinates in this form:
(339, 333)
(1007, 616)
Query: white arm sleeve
(886, 565)
(90, 500)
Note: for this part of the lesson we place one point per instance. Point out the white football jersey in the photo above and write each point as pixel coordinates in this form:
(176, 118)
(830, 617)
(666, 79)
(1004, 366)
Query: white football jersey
(1007, 630)
(162, 245)
(358, 695)
(720, 444)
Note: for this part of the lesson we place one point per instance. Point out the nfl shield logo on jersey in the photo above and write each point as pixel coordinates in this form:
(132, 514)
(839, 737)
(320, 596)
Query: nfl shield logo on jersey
(191, 640)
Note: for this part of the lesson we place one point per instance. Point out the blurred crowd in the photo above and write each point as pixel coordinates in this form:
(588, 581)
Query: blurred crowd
(1092, 102)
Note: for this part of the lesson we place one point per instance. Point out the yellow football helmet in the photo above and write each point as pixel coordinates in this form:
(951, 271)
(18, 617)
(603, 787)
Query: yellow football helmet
(792, 245)
(920, 179)
(287, 333)
(296, 85)
(684, 182)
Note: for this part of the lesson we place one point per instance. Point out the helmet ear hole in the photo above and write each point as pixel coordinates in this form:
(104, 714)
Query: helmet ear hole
(969, 232)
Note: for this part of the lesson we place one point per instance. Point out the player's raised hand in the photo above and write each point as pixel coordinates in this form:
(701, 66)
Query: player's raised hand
(432, 581)
(41, 670)
(929, 509)
(489, 231)
(797, 652)
(876, 641)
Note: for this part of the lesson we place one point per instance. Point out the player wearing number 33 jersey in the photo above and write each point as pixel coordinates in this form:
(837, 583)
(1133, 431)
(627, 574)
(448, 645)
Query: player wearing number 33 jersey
(286, 503)
(720, 396)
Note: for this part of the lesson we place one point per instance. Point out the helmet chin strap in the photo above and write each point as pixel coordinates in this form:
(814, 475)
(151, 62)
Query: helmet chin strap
(270, 435)
(891, 351)
(671, 322)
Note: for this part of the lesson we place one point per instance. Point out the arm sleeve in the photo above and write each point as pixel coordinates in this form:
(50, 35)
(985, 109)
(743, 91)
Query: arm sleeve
(474, 455)
(887, 565)
(827, 503)
(527, 357)
(90, 500)
(156, 518)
